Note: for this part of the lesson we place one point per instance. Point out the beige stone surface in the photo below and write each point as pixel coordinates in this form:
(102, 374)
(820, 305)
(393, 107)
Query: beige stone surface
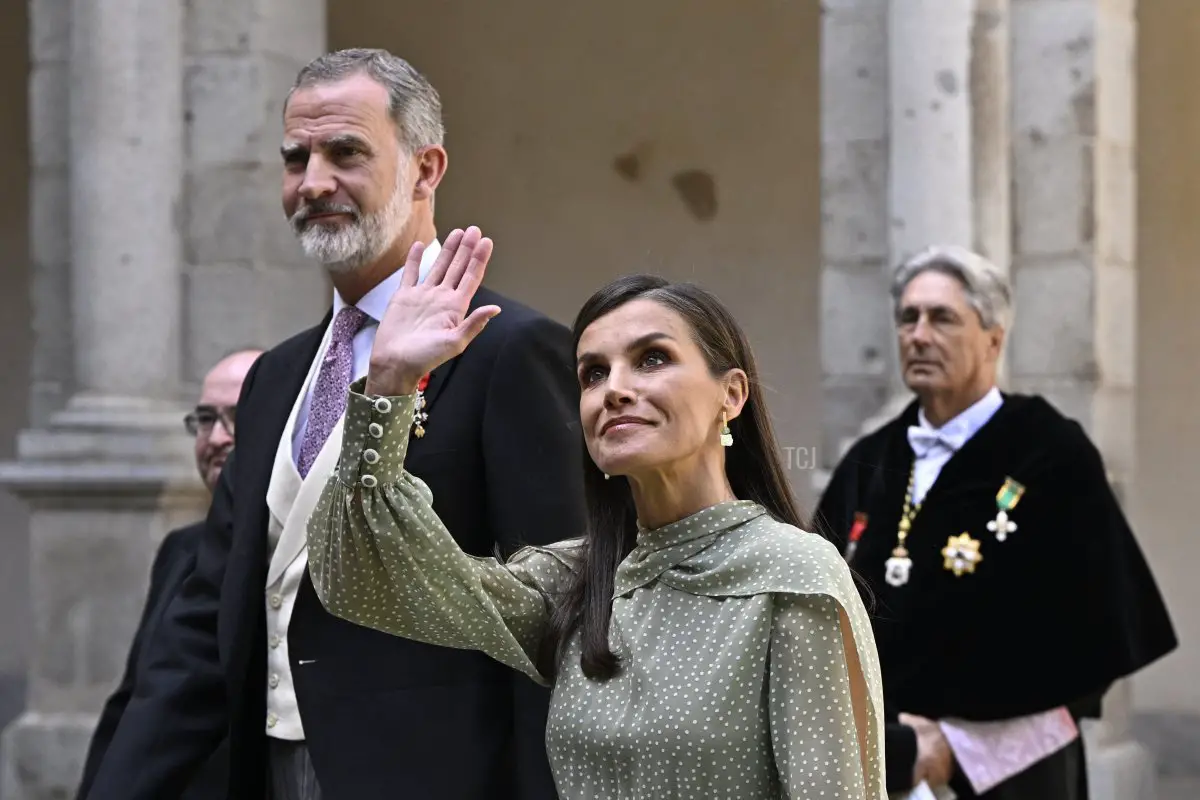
(930, 147)
(126, 119)
(856, 317)
(241, 59)
(854, 68)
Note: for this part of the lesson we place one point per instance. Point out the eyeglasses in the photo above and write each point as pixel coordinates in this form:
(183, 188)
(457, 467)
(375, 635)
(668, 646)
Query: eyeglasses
(202, 420)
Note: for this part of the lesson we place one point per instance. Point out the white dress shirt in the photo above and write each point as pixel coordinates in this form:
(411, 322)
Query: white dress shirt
(283, 714)
(934, 446)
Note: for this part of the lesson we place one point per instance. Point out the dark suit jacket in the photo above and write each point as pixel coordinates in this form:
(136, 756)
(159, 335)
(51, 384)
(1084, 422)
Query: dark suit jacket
(383, 716)
(174, 562)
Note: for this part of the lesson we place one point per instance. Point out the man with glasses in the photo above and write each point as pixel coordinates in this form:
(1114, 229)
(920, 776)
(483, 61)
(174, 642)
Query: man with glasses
(211, 424)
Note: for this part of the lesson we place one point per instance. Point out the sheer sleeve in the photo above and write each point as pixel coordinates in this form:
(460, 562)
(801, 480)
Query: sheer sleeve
(826, 709)
(380, 557)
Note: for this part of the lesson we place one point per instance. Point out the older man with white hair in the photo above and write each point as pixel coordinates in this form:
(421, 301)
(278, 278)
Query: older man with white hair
(1008, 590)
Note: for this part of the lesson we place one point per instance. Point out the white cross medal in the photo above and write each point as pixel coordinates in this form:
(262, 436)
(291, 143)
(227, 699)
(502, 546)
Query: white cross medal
(1006, 500)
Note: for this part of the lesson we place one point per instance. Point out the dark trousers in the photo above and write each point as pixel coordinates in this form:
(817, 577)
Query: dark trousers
(290, 772)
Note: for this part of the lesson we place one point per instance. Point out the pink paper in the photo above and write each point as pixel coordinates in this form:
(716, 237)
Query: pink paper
(989, 753)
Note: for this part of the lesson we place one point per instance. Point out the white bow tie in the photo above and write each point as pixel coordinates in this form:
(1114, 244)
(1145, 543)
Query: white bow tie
(924, 440)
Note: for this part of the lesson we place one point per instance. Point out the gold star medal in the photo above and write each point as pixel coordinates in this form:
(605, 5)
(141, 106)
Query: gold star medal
(1006, 500)
(962, 554)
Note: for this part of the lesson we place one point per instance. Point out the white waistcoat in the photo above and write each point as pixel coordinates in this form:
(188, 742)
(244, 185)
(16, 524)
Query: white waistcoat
(291, 502)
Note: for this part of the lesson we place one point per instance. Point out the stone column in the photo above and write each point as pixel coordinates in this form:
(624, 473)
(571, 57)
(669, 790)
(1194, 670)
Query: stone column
(929, 146)
(106, 476)
(855, 327)
(126, 148)
(991, 134)
(49, 207)
(949, 145)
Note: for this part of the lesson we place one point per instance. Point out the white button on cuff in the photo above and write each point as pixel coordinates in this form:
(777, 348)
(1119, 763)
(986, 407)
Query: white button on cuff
(376, 430)
(371, 456)
(383, 405)
(370, 481)
(272, 720)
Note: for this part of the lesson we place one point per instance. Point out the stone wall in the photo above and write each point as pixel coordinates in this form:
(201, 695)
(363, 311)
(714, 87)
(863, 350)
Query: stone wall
(246, 282)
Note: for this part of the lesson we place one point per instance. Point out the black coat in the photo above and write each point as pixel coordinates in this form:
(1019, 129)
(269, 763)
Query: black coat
(174, 562)
(383, 716)
(1052, 615)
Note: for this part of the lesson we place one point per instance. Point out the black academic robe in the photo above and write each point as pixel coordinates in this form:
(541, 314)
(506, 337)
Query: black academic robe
(384, 716)
(174, 561)
(1051, 616)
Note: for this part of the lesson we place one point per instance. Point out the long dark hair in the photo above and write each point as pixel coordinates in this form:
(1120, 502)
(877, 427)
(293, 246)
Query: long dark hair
(752, 465)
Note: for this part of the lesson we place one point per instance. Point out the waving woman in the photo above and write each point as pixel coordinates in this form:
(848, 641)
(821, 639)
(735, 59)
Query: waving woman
(700, 644)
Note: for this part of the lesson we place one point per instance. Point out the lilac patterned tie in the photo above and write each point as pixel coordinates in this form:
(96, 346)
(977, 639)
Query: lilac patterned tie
(333, 381)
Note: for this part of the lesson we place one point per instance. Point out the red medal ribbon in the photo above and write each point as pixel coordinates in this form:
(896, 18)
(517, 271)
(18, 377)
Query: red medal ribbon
(860, 525)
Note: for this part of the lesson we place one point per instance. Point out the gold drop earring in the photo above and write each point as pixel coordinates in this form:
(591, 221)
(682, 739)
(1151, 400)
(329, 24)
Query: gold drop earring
(726, 435)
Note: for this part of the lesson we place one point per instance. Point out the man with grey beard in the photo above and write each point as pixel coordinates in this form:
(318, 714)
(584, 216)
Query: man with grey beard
(316, 707)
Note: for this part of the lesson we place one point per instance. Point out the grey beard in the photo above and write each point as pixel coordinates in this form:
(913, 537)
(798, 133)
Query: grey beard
(353, 246)
(350, 247)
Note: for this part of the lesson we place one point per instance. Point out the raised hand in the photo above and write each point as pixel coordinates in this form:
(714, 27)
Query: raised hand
(426, 324)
